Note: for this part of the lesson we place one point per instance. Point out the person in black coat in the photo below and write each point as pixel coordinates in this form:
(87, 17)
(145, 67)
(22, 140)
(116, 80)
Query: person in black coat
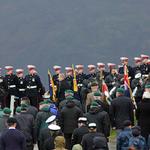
(90, 143)
(142, 114)
(121, 109)
(97, 115)
(79, 132)
(69, 120)
(27, 126)
(12, 139)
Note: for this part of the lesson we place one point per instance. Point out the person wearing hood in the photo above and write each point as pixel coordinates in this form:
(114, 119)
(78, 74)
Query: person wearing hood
(100, 117)
(69, 120)
(143, 111)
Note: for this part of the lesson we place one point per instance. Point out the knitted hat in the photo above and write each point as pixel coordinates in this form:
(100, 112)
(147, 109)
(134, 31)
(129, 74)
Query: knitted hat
(6, 110)
(24, 106)
(69, 92)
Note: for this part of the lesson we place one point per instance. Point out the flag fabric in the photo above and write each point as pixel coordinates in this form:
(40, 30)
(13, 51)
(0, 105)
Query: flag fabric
(52, 89)
(75, 86)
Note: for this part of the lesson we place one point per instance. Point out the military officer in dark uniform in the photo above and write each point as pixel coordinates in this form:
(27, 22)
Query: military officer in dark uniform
(145, 68)
(81, 76)
(112, 79)
(57, 70)
(124, 61)
(11, 82)
(91, 73)
(69, 77)
(137, 67)
(33, 85)
(21, 84)
(3, 93)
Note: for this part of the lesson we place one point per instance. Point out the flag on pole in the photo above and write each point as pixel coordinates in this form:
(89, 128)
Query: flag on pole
(75, 86)
(52, 87)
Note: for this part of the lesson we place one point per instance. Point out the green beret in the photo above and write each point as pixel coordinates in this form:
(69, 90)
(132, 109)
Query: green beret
(43, 102)
(120, 90)
(147, 86)
(97, 93)
(94, 83)
(69, 92)
(6, 110)
(18, 109)
(94, 104)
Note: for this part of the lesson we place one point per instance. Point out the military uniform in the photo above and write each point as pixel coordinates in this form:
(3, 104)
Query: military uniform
(11, 82)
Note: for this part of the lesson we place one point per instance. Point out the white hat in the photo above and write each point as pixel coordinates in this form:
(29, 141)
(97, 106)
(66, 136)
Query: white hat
(79, 66)
(138, 75)
(55, 67)
(51, 119)
(19, 70)
(68, 68)
(31, 67)
(100, 64)
(54, 127)
(146, 95)
(46, 95)
(144, 56)
(91, 66)
(92, 125)
(111, 65)
(9, 67)
(84, 119)
(137, 59)
(123, 58)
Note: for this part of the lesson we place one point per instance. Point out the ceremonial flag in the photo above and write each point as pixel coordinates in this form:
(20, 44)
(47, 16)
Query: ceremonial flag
(75, 86)
(105, 89)
(52, 88)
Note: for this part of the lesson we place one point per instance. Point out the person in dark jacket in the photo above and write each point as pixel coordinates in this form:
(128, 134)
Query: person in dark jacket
(68, 118)
(41, 117)
(45, 132)
(97, 115)
(33, 86)
(26, 124)
(142, 114)
(121, 109)
(12, 139)
(4, 118)
(88, 142)
(54, 131)
(124, 136)
(79, 132)
(11, 83)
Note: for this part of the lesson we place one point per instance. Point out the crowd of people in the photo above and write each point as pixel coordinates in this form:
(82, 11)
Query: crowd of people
(80, 119)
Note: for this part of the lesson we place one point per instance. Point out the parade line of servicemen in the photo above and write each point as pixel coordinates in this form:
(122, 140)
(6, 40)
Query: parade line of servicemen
(79, 110)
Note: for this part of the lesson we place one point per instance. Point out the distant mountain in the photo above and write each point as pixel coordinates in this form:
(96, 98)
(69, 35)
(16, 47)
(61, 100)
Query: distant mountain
(48, 32)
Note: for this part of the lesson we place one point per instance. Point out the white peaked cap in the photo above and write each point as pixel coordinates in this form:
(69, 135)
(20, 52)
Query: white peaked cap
(100, 64)
(138, 75)
(31, 67)
(19, 70)
(90, 125)
(54, 127)
(82, 119)
(79, 66)
(144, 56)
(68, 68)
(91, 66)
(124, 58)
(51, 119)
(8, 67)
(111, 64)
(56, 67)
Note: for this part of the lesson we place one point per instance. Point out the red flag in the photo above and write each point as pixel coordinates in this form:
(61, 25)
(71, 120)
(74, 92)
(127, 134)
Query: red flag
(105, 89)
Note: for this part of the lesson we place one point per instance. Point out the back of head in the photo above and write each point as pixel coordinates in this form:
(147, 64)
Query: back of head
(59, 142)
(99, 142)
(11, 121)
